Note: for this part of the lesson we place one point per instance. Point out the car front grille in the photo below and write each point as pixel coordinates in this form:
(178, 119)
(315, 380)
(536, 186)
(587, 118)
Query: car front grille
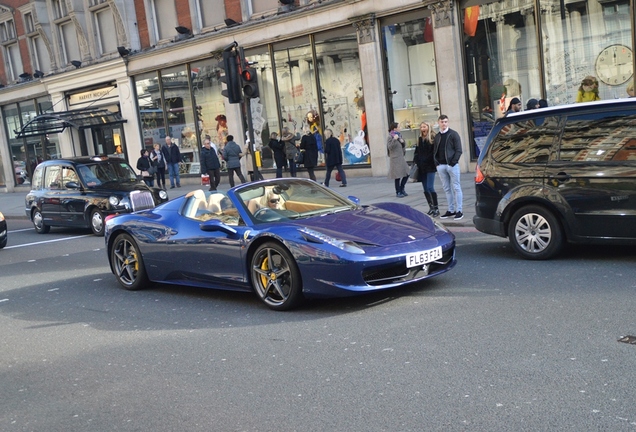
(141, 200)
(386, 275)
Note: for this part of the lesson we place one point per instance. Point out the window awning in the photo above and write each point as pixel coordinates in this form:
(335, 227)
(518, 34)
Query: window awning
(56, 122)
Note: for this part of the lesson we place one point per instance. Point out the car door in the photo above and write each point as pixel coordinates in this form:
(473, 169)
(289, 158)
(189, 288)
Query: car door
(594, 172)
(49, 197)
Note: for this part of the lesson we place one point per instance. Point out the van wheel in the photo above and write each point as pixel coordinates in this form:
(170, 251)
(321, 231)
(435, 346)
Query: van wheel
(535, 233)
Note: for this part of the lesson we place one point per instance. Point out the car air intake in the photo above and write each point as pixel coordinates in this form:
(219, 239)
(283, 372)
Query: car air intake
(141, 200)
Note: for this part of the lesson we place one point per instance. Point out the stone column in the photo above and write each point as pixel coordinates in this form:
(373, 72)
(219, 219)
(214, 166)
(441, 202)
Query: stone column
(130, 112)
(375, 93)
(450, 72)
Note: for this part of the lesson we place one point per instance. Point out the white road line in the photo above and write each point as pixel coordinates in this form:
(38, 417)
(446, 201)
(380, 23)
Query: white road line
(20, 230)
(48, 241)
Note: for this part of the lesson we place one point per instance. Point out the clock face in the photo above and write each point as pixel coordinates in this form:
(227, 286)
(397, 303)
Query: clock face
(614, 65)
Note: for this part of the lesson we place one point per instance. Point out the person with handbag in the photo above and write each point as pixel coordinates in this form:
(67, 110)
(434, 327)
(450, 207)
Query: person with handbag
(333, 158)
(425, 164)
(159, 163)
(145, 167)
(290, 149)
(309, 146)
(398, 168)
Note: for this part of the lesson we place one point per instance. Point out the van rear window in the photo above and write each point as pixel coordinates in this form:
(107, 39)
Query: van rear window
(526, 141)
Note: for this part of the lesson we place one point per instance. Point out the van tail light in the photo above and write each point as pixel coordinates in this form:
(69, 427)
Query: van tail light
(479, 176)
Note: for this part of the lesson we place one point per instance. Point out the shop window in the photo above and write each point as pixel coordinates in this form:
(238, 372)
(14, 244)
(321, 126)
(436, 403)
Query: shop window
(589, 41)
(412, 76)
(296, 83)
(209, 103)
(342, 98)
(150, 109)
(177, 106)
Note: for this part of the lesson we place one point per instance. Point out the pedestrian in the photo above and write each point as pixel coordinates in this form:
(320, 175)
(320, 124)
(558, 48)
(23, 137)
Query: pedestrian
(532, 104)
(447, 149)
(210, 164)
(249, 161)
(398, 168)
(232, 154)
(172, 156)
(310, 147)
(543, 103)
(514, 107)
(278, 148)
(423, 158)
(333, 156)
(143, 165)
(291, 149)
(160, 164)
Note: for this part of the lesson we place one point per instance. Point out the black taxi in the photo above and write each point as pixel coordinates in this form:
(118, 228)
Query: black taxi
(82, 191)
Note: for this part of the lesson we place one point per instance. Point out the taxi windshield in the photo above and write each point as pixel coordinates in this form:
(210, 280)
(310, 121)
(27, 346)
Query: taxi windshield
(106, 172)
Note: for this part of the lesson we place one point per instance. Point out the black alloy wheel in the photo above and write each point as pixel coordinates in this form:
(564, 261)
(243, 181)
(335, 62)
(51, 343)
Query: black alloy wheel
(275, 277)
(127, 264)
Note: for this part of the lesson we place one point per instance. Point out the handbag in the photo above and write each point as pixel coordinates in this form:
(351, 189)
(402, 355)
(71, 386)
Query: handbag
(205, 180)
(338, 177)
(414, 173)
(145, 174)
(300, 157)
(152, 170)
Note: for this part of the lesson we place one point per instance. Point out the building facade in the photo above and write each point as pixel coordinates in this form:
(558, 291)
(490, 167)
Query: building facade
(85, 77)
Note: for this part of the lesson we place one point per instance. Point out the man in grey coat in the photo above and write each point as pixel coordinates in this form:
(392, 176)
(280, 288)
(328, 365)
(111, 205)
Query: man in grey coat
(232, 154)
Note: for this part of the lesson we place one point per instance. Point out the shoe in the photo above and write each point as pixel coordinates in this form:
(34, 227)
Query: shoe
(399, 195)
(343, 185)
(435, 213)
(405, 194)
(171, 187)
(447, 215)
(459, 215)
(178, 185)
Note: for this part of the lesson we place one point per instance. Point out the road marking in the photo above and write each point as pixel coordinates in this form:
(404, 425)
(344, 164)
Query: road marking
(48, 241)
(20, 230)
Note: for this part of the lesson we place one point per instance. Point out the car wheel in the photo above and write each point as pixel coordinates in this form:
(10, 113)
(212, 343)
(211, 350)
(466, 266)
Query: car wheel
(38, 222)
(535, 233)
(127, 264)
(97, 222)
(275, 277)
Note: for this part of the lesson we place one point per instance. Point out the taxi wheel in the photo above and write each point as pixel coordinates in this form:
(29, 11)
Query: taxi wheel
(97, 222)
(275, 277)
(127, 263)
(535, 233)
(38, 222)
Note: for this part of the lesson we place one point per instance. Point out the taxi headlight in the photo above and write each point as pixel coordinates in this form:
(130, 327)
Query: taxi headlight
(163, 194)
(113, 200)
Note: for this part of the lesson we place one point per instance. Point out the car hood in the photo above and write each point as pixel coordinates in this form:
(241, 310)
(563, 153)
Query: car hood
(381, 224)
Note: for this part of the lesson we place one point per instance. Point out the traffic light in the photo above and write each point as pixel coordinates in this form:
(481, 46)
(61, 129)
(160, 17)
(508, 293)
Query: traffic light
(232, 77)
(250, 82)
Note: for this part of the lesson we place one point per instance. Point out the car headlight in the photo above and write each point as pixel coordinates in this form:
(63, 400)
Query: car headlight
(163, 194)
(439, 225)
(345, 245)
(113, 200)
(1, 217)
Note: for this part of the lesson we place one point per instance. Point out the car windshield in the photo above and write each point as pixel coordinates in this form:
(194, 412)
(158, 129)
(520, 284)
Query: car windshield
(99, 173)
(290, 199)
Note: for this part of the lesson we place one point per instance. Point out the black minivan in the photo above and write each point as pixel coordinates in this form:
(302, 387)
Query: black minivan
(560, 174)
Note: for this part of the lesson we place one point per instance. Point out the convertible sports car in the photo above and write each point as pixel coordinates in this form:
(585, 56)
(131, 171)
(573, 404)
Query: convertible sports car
(286, 239)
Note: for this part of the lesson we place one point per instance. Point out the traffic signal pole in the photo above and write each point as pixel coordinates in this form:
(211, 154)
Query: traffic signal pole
(247, 106)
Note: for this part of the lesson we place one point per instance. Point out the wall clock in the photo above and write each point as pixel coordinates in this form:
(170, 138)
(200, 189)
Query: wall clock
(614, 65)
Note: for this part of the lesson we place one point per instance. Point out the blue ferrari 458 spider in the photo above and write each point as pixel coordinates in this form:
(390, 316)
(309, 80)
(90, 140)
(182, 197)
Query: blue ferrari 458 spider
(285, 239)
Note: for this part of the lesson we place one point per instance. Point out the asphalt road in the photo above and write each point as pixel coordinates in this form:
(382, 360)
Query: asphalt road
(496, 344)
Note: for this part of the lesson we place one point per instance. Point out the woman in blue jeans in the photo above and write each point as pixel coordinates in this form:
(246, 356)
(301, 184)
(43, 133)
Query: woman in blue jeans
(423, 158)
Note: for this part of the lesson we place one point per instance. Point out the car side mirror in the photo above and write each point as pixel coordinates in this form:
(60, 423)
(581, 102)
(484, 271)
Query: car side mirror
(72, 185)
(214, 225)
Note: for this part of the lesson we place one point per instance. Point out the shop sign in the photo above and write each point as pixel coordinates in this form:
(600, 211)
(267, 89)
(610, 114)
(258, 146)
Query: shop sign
(93, 95)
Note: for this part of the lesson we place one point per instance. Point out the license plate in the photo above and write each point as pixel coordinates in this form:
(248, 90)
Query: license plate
(424, 257)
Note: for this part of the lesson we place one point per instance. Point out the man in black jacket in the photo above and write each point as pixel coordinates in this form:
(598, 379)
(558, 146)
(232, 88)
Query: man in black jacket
(447, 149)
(210, 164)
(172, 156)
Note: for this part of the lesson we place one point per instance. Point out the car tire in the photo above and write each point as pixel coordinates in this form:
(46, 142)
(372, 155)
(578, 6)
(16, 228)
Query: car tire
(97, 222)
(535, 233)
(38, 222)
(275, 277)
(127, 263)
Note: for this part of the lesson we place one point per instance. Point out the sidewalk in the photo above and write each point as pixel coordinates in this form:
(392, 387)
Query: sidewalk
(368, 190)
